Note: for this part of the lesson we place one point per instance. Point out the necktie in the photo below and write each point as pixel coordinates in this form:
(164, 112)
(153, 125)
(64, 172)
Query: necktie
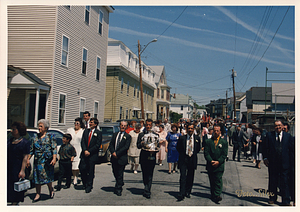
(86, 125)
(90, 135)
(190, 147)
(118, 140)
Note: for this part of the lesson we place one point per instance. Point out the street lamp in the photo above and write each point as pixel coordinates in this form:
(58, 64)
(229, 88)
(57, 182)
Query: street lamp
(141, 80)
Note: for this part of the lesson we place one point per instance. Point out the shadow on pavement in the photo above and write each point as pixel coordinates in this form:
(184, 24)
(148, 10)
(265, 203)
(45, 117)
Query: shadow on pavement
(136, 191)
(43, 197)
(172, 193)
(108, 189)
(250, 166)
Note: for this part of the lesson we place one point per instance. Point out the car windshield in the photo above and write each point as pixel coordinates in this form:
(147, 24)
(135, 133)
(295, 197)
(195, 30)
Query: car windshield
(107, 131)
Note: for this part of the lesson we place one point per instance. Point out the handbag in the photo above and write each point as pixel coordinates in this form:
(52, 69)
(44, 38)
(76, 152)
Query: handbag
(21, 185)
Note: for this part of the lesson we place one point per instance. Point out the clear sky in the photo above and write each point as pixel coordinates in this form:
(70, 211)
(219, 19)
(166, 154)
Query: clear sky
(205, 43)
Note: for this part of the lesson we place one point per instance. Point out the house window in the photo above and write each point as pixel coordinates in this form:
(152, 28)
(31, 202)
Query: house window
(120, 113)
(100, 22)
(181, 107)
(62, 108)
(87, 14)
(127, 88)
(134, 91)
(96, 109)
(168, 95)
(127, 114)
(82, 107)
(84, 61)
(65, 51)
(162, 94)
(138, 92)
(122, 82)
(158, 93)
(98, 69)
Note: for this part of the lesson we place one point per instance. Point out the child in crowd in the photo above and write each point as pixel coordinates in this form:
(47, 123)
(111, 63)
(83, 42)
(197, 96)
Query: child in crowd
(66, 156)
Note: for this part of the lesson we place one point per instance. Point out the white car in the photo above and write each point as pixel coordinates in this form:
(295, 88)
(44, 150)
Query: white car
(58, 135)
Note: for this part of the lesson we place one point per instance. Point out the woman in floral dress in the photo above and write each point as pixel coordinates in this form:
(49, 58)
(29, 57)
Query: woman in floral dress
(44, 150)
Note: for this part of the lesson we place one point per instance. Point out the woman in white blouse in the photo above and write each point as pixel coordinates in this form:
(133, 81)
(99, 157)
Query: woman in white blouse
(76, 133)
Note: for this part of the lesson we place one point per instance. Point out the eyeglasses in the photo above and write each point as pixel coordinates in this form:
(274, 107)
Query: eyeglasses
(76, 123)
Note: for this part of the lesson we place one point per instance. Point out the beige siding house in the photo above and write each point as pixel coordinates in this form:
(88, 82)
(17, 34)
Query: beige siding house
(122, 98)
(161, 94)
(66, 48)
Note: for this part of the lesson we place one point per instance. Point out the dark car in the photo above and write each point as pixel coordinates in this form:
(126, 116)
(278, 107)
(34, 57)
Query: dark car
(107, 129)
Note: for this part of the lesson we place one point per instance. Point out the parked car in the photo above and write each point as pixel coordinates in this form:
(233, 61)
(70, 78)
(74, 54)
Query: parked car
(58, 135)
(107, 129)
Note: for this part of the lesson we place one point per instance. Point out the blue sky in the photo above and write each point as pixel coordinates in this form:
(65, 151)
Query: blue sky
(202, 46)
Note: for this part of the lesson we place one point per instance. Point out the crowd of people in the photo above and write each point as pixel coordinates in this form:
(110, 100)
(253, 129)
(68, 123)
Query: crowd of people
(147, 143)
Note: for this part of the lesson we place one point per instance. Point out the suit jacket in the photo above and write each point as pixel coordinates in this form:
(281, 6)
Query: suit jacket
(288, 150)
(237, 137)
(122, 149)
(204, 140)
(218, 153)
(94, 146)
(181, 148)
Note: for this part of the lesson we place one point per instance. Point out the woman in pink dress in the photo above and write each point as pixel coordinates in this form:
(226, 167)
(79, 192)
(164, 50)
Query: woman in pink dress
(161, 155)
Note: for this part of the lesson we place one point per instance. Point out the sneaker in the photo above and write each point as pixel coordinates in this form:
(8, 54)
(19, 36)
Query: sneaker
(135, 171)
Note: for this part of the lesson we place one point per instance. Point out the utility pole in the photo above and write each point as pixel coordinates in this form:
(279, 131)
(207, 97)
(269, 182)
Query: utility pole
(141, 82)
(234, 106)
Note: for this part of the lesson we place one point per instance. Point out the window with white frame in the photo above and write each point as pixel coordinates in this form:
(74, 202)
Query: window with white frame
(87, 14)
(127, 88)
(65, 51)
(181, 107)
(82, 107)
(84, 60)
(126, 114)
(134, 91)
(138, 92)
(122, 82)
(96, 109)
(162, 94)
(98, 68)
(129, 58)
(62, 108)
(100, 25)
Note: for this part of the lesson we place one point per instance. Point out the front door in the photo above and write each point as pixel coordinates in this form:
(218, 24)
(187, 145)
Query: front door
(31, 108)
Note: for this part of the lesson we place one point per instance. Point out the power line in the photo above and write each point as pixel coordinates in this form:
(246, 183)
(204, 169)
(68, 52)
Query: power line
(267, 47)
(172, 22)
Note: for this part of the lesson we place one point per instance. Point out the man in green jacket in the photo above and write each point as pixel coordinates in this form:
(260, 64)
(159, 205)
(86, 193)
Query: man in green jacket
(215, 153)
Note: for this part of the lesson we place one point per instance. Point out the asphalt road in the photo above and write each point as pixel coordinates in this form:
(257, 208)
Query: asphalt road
(243, 185)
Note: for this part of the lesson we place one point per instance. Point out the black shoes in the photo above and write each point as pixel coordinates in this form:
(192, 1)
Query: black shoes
(180, 197)
(36, 200)
(88, 190)
(216, 199)
(57, 187)
(118, 193)
(146, 195)
(188, 195)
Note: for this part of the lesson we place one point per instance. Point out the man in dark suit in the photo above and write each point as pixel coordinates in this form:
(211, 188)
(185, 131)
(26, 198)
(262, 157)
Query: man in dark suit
(278, 153)
(90, 144)
(237, 142)
(215, 153)
(207, 136)
(188, 146)
(147, 158)
(118, 147)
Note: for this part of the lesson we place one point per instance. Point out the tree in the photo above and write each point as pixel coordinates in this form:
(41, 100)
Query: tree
(175, 116)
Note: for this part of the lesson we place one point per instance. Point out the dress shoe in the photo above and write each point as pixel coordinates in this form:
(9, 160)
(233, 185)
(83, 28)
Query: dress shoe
(36, 200)
(119, 193)
(66, 187)
(57, 187)
(180, 197)
(146, 195)
(285, 204)
(188, 195)
(271, 202)
(88, 190)
(217, 199)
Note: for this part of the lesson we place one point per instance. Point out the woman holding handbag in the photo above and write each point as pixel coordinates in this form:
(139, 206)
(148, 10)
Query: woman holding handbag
(17, 154)
(44, 150)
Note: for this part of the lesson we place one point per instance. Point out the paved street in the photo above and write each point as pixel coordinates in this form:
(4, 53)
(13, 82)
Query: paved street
(238, 176)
